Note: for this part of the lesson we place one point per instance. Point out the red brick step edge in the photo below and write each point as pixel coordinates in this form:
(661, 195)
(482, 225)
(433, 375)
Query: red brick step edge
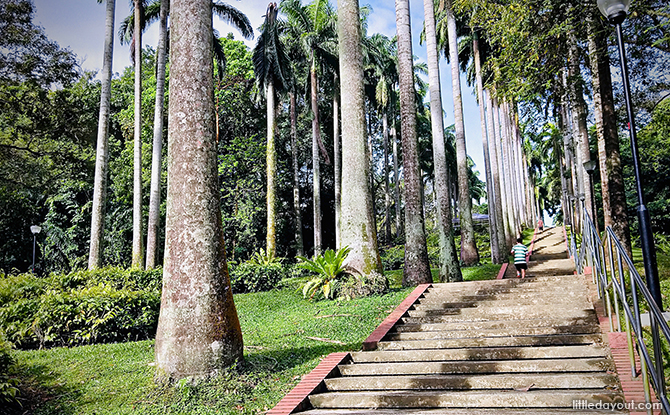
(296, 400)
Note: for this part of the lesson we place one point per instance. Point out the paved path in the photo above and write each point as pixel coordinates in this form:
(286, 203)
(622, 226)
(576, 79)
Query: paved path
(509, 346)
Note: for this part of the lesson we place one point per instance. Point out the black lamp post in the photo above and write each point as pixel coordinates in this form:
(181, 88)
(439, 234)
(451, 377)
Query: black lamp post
(590, 167)
(35, 230)
(616, 11)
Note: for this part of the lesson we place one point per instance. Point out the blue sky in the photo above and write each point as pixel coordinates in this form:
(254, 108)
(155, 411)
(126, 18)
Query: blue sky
(79, 26)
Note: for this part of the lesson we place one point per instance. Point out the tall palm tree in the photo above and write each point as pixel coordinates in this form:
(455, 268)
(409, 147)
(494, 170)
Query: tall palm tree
(469, 254)
(379, 53)
(450, 269)
(158, 10)
(495, 207)
(102, 152)
(271, 67)
(198, 328)
(358, 229)
(316, 24)
(157, 150)
(611, 178)
(417, 267)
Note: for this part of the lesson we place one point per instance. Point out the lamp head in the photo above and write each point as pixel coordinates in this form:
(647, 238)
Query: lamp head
(590, 166)
(35, 229)
(614, 10)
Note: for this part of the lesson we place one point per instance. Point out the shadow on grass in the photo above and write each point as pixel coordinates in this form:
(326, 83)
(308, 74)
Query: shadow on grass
(41, 392)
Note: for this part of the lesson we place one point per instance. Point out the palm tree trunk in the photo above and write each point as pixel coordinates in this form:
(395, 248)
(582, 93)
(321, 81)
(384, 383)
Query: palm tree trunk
(271, 171)
(102, 149)
(611, 177)
(579, 109)
(157, 151)
(495, 200)
(137, 147)
(316, 175)
(396, 177)
(358, 225)
(502, 179)
(198, 329)
(417, 267)
(493, 232)
(299, 244)
(337, 165)
(450, 269)
(387, 194)
(469, 254)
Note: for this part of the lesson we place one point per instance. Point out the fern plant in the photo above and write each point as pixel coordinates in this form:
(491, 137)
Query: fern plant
(264, 258)
(327, 269)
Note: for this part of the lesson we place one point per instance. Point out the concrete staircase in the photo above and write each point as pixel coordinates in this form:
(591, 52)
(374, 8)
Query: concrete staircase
(509, 346)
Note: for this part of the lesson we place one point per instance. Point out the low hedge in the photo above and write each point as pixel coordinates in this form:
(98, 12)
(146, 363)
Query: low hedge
(82, 307)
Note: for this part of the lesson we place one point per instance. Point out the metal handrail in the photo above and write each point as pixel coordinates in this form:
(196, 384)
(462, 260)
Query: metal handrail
(613, 285)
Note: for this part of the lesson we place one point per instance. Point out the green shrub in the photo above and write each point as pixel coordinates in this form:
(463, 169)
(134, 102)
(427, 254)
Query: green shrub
(14, 287)
(119, 278)
(393, 257)
(253, 277)
(8, 390)
(109, 304)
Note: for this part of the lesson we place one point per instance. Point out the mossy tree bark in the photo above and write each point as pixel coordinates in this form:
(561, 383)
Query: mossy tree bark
(358, 230)
(198, 328)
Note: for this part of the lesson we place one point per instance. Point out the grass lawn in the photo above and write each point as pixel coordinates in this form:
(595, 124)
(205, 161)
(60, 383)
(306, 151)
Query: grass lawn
(285, 337)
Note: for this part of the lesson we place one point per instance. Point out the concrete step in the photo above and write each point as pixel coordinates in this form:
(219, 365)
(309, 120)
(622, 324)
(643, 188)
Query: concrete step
(470, 399)
(459, 382)
(583, 365)
(470, 411)
(439, 300)
(429, 333)
(516, 341)
(555, 322)
(493, 312)
(552, 303)
(492, 353)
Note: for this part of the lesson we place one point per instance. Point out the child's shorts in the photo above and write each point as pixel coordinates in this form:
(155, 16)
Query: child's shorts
(521, 266)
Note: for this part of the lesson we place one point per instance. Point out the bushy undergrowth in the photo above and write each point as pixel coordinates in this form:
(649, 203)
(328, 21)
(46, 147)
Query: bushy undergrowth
(82, 307)
(255, 277)
(8, 389)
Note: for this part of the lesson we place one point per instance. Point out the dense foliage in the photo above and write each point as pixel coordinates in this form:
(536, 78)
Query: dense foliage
(108, 304)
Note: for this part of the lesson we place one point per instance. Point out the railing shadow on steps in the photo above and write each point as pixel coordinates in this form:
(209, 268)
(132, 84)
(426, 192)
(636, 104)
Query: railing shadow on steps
(618, 281)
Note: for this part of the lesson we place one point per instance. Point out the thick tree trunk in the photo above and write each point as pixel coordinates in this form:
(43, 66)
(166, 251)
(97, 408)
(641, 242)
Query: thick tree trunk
(490, 192)
(337, 166)
(469, 254)
(316, 171)
(137, 144)
(299, 244)
(157, 151)
(611, 177)
(357, 221)
(102, 149)
(417, 267)
(198, 328)
(271, 171)
(450, 269)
